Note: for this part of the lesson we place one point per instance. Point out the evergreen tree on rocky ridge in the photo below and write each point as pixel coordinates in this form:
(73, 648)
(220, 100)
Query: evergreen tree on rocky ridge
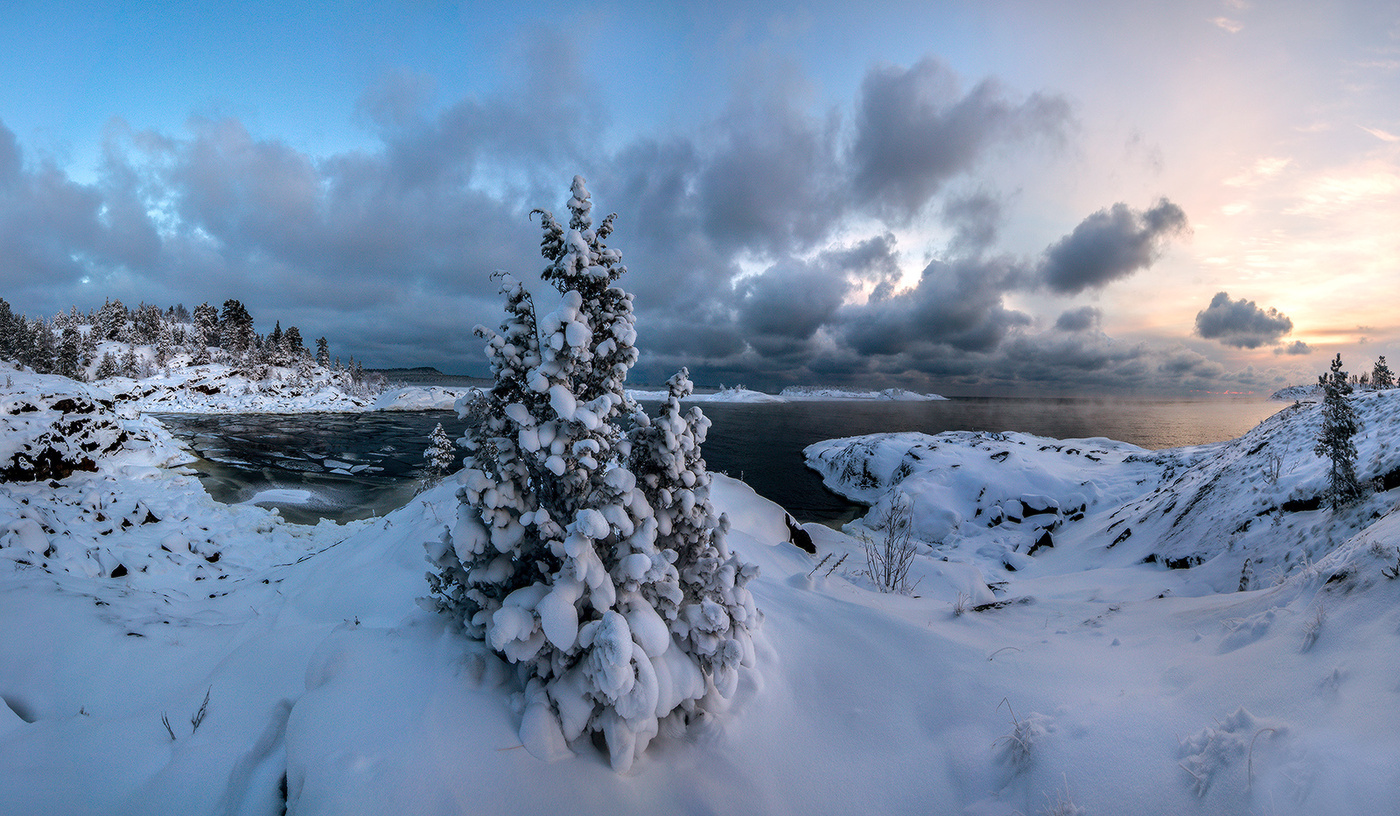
(1339, 425)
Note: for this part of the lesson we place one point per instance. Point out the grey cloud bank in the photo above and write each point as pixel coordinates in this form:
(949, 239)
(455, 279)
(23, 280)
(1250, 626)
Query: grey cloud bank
(388, 251)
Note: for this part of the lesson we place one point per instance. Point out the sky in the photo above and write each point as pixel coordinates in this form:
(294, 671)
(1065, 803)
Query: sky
(962, 198)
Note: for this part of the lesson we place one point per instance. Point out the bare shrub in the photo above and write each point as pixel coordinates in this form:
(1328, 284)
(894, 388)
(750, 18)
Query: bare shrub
(890, 559)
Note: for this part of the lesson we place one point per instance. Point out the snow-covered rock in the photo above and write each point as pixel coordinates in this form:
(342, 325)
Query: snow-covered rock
(817, 393)
(1241, 513)
(961, 483)
(217, 388)
(51, 426)
(420, 398)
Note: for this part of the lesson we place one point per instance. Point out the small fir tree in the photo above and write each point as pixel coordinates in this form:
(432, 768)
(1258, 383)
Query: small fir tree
(1339, 425)
(70, 353)
(236, 328)
(206, 325)
(590, 557)
(9, 332)
(292, 346)
(107, 367)
(130, 366)
(1381, 375)
(112, 320)
(323, 353)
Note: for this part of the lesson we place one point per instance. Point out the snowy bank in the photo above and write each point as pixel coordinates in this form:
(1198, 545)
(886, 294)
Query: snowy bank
(739, 394)
(242, 665)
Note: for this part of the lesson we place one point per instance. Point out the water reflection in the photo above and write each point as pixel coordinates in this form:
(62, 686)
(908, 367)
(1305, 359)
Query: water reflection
(313, 466)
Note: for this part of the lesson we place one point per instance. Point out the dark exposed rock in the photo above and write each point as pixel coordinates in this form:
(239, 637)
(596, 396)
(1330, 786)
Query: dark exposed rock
(799, 536)
(1302, 505)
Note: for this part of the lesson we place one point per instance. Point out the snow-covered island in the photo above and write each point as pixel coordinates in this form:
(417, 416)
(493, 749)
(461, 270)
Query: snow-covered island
(1087, 625)
(740, 394)
(1297, 393)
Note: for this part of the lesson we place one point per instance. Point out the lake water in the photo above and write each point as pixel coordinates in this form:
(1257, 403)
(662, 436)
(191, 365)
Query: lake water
(348, 466)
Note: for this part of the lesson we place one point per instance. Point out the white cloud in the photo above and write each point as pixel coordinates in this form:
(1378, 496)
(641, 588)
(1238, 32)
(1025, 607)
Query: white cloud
(1384, 136)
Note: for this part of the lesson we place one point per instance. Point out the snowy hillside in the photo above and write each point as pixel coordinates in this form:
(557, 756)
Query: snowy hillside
(1241, 513)
(168, 654)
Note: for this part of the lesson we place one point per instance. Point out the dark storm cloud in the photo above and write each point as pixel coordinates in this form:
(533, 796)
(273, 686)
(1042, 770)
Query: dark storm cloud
(1240, 323)
(915, 130)
(9, 157)
(769, 182)
(1078, 320)
(1109, 245)
(279, 222)
(532, 131)
(53, 230)
(1068, 360)
(975, 219)
(793, 300)
(957, 304)
(1184, 363)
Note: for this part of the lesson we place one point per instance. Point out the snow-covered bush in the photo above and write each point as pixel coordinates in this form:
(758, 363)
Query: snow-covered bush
(438, 456)
(588, 556)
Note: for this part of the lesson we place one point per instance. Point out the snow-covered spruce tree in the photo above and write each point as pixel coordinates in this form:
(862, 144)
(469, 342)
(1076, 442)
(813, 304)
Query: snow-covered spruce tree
(589, 558)
(665, 458)
(1339, 424)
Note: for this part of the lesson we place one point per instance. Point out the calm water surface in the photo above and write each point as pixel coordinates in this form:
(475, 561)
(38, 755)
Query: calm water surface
(357, 465)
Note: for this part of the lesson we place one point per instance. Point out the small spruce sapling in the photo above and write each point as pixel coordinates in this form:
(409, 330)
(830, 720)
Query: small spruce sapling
(439, 456)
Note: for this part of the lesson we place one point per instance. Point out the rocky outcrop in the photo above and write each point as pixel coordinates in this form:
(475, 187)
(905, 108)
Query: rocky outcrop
(50, 431)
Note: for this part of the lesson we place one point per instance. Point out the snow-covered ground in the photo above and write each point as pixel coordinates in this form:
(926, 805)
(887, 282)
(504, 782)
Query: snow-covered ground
(294, 663)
